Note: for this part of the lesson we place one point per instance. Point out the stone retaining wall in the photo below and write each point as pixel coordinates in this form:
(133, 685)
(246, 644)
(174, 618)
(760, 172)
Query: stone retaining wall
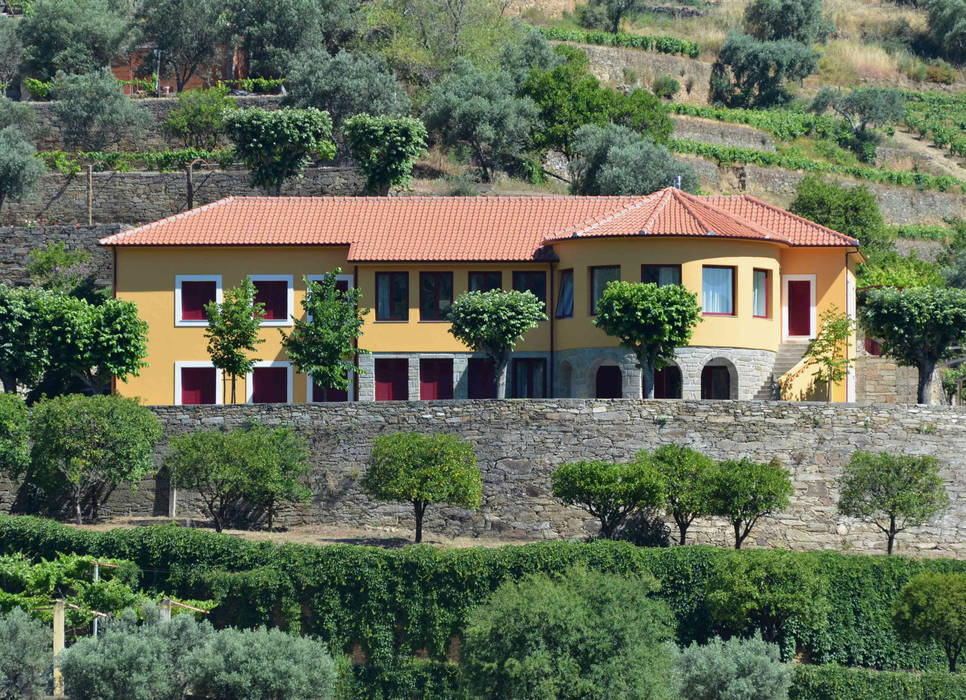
(16, 243)
(721, 133)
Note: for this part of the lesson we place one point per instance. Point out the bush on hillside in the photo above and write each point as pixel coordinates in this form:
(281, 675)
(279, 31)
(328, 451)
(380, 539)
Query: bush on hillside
(932, 607)
(93, 112)
(737, 669)
(26, 651)
(751, 72)
(199, 117)
(666, 87)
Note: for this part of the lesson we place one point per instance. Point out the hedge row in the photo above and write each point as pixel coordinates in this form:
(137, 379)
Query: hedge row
(123, 161)
(839, 683)
(784, 124)
(660, 44)
(393, 603)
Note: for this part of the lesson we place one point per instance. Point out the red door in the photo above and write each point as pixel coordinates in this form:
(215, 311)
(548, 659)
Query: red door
(197, 385)
(480, 384)
(392, 380)
(609, 382)
(435, 379)
(270, 385)
(799, 307)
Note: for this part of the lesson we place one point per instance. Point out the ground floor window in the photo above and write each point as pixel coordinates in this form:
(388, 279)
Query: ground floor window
(323, 394)
(197, 385)
(480, 378)
(270, 384)
(392, 379)
(529, 378)
(435, 379)
(609, 382)
(715, 383)
(667, 383)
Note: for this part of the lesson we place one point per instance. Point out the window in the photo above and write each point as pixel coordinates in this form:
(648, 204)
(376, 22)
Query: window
(565, 300)
(196, 383)
(435, 295)
(480, 384)
(718, 290)
(392, 296)
(270, 382)
(392, 379)
(661, 275)
(529, 378)
(485, 281)
(715, 383)
(191, 293)
(316, 393)
(760, 293)
(435, 379)
(343, 283)
(275, 292)
(535, 282)
(599, 278)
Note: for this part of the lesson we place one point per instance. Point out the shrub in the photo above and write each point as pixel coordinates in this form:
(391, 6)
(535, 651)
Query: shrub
(94, 113)
(199, 117)
(578, 635)
(666, 87)
(843, 683)
(800, 20)
(742, 491)
(661, 44)
(738, 669)
(26, 652)
(14, 435)
(932, 607)
(853, 211)
(385, 148)
(685, 473)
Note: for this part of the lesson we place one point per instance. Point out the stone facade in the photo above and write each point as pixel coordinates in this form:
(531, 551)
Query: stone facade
(16, 243)
(880, 379)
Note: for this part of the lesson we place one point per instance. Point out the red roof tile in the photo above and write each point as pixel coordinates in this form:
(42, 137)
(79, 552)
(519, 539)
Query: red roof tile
(469, 228)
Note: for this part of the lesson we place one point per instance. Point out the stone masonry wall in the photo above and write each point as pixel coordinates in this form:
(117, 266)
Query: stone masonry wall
(518, 443)
(17, 242)
(721, 133)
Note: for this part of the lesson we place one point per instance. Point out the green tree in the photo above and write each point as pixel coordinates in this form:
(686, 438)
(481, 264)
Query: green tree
(766, 591)
(685, 473)
(892, 491)
(423, 469)
(492, 323)
(861, 108)
(198, 119)
(385, 149)
(14, 436)
(615, 11)
(800, 20)
(582, 634)
(271, 32)
(71, 272)
(916, 327)
(186, 32)
(88, 445)
(325, 345)
(344, 85)
(482, 111)
(609, 492)
(24, 355)
(743, 491)
(277, 145)
(20, 169)
(94, 113)
(733, 669)
(946, 27)
(26, 652)
(232, 330)
(532, 52)
(650, 321)
(828, 351)
(931, 607)
(11, 54)
(852, 210)
(753, 73)
(19, 114)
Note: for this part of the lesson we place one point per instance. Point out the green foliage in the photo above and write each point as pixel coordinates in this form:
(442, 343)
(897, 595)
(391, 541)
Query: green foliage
(660, 44)
(86, 446)
(187, 33)
(888, 268)
(737, 669)
(609, 492)
(199, 117)
(124, 161)
(70, 272)
(828, 351)
(863, 107)
(277, 145)
(241, 475)
(665, 87)
(853, 211)
(742, 491)
(14, 435)
(493, 322)
(325, 345)
(643, 167)
(232, 330)
(385, 148)
(581, 634)
(93, 112)
(423, 469)
(23, 352)
(892, 491)
(932, 607)
(11, 52)
(685, 473)
(916, 326)
(751, 72)
(39, 89)
(19, 168)
(258, 86)
(843, 683)
(946, 27)
(784, 124)
(18, 114)
(799, 20)
(26, 652)
(613, 11)
(271, 32)
(649, 320)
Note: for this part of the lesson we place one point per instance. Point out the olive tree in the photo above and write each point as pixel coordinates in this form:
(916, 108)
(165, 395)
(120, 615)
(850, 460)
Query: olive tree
(384, 148)
(753, 73)
(186, 32)
(650, 321)
(891, 491)
(94, 113)
(20, 168)
(232, 330)
(801, 20)
(931, 607)
(11, 51)
(732, 669)
(946, 27)
(742, 491)
(26, 652)
(423, 469)
(685, 473)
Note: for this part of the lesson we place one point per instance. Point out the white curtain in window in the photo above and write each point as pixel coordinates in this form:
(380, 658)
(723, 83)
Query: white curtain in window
(716, 295)
(760, 300)
(601, 277)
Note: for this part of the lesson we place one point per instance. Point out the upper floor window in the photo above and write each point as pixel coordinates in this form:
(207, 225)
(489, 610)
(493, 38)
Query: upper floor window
(532, 281)
(760, 293)
(661, 274)
(191, 293)
(435, 295)
(565, 299)
(276, 294)
(485, 281)
(392, 296)
(600, 277)
(718, 290)
(343, 283)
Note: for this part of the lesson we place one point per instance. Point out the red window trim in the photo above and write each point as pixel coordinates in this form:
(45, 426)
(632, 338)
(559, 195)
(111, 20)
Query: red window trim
(590, 275)
(436, 275)
(767, 291)
(734, 290)
(390, 274)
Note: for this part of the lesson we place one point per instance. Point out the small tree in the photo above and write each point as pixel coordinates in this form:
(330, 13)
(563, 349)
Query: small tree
(650, 321)
(14, 436)
(24, 353)
(685, 473)
(185, 32)
(609, 492)
(94, 113)
(737, 668)
(753, 73)
(892, 491)
(853, 211)
(916, 327)
(324, 345)
(613, 11)
(270, 33)
(385, 149)
(25, 656)
(931, 607)
(199, 117)
(277, 145)
(88, 445)
(801, 20)
(232, 330)
(20, 169)
(828, 351)
(423, 469)
(493, 322)
(743, 491)
(19, 114)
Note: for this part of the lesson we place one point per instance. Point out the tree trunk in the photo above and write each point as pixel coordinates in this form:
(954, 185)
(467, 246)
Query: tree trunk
(500, 366)
(891, 534)
(419, 509)
(9, 383)
(683, 529)
(233, 388)
(924, 392)
(739, 538)
(77, 508)
(647, 377)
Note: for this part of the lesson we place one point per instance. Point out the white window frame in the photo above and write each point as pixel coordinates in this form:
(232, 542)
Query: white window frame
(250, 383)
(290, 301)
(178, 279)
(219, 381)
(308, 388)
(812, 308)
(338, 278)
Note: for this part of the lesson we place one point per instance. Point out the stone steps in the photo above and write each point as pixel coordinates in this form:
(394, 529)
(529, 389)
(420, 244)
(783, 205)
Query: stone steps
(788, 355)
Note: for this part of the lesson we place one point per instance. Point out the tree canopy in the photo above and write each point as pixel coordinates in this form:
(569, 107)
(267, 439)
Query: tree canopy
(20, 169)
(685, 473)
(800, 20)
(743, 491)
(385, 148)
(852, 210)
(752, 73)
(931, 607)
(946, 27)
(271, 32)
(94, 113)
(232, 330)
(186, 32)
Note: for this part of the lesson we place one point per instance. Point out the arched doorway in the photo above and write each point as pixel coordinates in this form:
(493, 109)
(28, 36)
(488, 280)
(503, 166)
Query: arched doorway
(717, 381)
(667, 383)
(609, 382)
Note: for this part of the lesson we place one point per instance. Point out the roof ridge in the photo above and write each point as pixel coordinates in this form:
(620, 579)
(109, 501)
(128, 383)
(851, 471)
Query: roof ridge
(666, 194)
(802, 219)
(694, 200)
(109, 240)
(634, 204)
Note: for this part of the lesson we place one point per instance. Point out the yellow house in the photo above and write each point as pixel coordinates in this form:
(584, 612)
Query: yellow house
(763, 278)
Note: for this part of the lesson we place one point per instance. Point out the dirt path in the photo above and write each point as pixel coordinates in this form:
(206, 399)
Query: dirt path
(937, 157)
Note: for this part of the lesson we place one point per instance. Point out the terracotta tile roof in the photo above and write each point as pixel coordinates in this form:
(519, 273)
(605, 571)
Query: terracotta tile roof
(469, 228)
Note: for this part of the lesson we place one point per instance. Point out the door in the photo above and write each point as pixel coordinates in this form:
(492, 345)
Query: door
(667, 383)
(609, 382)
(715, 383)
(480, 384)
(799, 308)
(435, 379)
(392, 379)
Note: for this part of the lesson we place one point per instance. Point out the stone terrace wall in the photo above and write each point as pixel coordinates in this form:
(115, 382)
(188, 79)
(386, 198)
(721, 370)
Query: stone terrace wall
(518, 443)
(17, 242)
(721, 133)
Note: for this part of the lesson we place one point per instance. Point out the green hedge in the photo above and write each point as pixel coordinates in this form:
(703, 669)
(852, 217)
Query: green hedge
(784, 124)
(839, 683)
(660, 44)
(394, 603)
(923, 232)
(122, 161)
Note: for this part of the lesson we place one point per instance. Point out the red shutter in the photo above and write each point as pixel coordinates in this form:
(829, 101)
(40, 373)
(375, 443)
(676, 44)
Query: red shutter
(435, 379)
(481, 385)
(194, 296)
(197, 385)
(392, 380)
(321, 394)
(274, 295)
(270, 385)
